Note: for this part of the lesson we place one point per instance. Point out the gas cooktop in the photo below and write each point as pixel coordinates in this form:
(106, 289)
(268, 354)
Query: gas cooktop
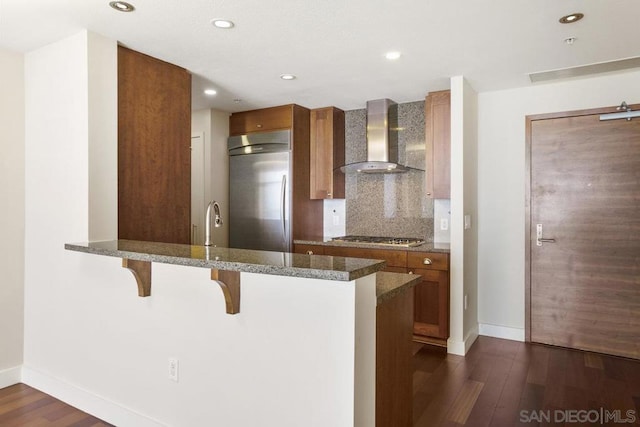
(382, 241)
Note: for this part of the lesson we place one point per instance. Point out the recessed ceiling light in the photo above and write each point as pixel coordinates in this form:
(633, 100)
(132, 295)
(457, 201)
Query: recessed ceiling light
(287, 76)
(391, 56)
(210, 92)
(570, 19)
(122, 6)
(570, 40)
(225, 24)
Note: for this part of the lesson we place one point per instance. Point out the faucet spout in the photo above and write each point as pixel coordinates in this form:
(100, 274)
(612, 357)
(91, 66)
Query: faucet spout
(214, 208)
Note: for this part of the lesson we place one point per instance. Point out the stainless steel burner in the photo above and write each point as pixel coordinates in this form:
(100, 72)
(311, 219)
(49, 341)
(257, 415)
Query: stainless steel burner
(382, 241)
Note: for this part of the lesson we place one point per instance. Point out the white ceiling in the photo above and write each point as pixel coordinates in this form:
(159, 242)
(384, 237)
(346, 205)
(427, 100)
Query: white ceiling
(336, 47)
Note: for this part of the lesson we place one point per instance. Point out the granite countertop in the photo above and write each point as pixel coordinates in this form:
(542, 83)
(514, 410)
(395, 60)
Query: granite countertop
(388, 285)
(425, 247)
(244, 260)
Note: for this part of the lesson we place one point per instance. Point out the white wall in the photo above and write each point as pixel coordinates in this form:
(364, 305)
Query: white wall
(103, 138)
(470, 123)
(501, 185)
(464, 242)
(11, 215)
(214, 124)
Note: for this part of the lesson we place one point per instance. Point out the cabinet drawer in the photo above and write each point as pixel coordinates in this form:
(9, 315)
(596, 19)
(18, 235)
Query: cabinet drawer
(261, 120)
(393, 258)
(309, 249)
(428, 260)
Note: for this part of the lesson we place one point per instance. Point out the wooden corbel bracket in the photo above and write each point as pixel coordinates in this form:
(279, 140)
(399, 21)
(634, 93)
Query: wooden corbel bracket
(229, 281)
(142, 272)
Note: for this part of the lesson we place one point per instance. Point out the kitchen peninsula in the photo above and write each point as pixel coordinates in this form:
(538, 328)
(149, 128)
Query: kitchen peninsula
(405, 255)
(312, 340)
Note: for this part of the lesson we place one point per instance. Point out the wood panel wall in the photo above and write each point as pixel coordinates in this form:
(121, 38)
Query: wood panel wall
(154, 159)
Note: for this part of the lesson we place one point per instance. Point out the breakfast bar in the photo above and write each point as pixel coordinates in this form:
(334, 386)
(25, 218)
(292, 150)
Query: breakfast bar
(327, 329)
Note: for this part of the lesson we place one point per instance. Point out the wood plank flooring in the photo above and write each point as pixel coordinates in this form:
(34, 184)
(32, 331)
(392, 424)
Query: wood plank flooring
(499, 383)
(507, 383)
(23, 406)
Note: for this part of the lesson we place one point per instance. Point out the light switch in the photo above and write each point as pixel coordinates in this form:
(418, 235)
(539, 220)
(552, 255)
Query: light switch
(467, 222)
(336, 220)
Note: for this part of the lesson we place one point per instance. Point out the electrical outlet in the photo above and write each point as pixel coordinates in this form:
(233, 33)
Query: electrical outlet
(173, 369)
(444, 224)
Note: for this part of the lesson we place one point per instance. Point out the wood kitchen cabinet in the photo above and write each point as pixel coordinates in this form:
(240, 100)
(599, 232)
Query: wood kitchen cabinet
(431, 305)
(327, 153)
(307, 214)
(265, 119)
(154, 155)
(438, 144)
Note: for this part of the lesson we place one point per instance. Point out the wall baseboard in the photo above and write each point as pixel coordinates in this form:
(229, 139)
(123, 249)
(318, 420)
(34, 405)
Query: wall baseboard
(504, 332)
(462, 347)
(86, 401)
(11, 376)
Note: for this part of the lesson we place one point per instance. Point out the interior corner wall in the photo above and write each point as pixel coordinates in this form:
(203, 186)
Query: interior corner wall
(501, 185)
(12, 215)
(103, 137)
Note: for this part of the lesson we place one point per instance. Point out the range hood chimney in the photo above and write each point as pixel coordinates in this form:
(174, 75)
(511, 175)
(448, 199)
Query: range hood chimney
(382, 140)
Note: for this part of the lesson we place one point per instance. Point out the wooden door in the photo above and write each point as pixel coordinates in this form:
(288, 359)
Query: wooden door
(585, 194)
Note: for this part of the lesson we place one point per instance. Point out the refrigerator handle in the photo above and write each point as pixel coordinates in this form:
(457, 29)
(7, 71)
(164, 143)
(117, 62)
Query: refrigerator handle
(284, 210)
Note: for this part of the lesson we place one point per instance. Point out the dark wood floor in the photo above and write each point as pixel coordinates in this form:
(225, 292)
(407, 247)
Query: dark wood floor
(499, 383)
(23, 406)
(507, 383)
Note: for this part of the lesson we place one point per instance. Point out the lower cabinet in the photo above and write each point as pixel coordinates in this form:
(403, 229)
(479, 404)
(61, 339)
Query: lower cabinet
(431, 303)
(431, 308)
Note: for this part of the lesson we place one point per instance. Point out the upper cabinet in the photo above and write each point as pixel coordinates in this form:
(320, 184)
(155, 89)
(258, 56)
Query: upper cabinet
(327, 153)
(262, 120)
(438, 144)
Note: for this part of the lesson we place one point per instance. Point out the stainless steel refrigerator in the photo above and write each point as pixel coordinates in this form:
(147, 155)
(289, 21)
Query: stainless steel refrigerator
(260, 191)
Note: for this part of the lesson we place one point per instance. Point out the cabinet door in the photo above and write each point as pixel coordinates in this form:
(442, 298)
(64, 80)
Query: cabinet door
(438, 144)
(261, 120)
(431, 308)
(327, 153)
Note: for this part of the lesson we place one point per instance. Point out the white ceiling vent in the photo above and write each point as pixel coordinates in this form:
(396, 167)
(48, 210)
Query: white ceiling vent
(585, 70)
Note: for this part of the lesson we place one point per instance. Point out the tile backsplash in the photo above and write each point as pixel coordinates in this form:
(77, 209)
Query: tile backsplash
(388, 204)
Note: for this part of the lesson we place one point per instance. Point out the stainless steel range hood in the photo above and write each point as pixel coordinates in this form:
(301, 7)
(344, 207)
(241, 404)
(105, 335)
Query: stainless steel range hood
(382, 140)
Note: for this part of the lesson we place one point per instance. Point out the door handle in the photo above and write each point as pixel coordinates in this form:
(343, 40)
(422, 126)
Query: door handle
(284, 210)
(539, 239)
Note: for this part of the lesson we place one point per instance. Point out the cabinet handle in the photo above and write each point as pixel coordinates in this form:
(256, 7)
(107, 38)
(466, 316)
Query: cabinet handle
(427, 261)
(258, 126)
(428, 194)
(411, 272)
(309, 252)
(329, 193)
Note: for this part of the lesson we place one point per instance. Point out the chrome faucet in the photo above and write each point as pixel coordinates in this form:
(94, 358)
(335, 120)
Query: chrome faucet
(217, 221)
